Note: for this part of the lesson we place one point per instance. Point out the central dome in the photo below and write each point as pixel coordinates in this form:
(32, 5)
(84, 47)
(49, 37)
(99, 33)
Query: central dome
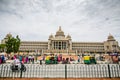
(60, 32)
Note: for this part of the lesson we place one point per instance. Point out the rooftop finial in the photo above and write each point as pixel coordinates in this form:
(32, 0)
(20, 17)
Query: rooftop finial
(59, 28)
(109, 33)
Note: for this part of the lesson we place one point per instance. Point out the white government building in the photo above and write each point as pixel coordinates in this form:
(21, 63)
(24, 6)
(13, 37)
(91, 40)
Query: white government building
(61, 43)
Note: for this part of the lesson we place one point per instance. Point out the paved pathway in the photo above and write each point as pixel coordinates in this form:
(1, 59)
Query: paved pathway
(60, 79)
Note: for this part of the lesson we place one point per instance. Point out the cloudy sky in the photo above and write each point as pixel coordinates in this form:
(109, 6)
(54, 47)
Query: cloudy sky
(84, 20)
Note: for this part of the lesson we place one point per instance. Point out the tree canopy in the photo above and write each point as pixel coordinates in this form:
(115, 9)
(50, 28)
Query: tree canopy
(12, 44)
(2, 47)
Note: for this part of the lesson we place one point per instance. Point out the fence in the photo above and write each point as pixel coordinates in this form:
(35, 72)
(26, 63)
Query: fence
(63, 71)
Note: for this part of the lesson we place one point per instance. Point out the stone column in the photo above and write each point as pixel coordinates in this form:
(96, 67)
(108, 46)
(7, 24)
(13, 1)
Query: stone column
(54, 44)
(70, 44)
(61, 45)
(48, 44)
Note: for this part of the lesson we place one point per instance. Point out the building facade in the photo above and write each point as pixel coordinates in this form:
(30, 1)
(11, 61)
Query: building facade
(61, 43)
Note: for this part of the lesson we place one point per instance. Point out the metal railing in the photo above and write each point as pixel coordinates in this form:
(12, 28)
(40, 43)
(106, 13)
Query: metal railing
(63, 71)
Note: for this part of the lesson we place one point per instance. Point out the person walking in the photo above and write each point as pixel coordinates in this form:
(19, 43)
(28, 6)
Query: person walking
(78, 58)
(26, 59)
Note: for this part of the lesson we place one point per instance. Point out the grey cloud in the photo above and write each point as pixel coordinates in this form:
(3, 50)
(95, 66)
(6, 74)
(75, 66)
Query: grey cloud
(83, 18)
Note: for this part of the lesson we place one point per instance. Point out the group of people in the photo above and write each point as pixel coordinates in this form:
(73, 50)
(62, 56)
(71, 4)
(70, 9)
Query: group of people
(58, 58)
(22, 58)
(27, 58)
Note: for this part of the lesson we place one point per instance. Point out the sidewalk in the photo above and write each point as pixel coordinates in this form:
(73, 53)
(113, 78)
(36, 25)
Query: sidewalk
(59, 79)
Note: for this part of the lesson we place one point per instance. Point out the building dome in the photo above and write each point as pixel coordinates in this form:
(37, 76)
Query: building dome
(111, 38)
(68, 36)
(8, 35)
(60, 32)
(51, 36)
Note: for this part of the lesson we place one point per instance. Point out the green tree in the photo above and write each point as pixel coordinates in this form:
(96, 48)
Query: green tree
(12, 44)
(9, 45)
(2, 47)
(16, 44)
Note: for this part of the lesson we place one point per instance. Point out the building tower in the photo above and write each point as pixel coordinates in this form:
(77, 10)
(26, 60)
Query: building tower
(111, 45)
